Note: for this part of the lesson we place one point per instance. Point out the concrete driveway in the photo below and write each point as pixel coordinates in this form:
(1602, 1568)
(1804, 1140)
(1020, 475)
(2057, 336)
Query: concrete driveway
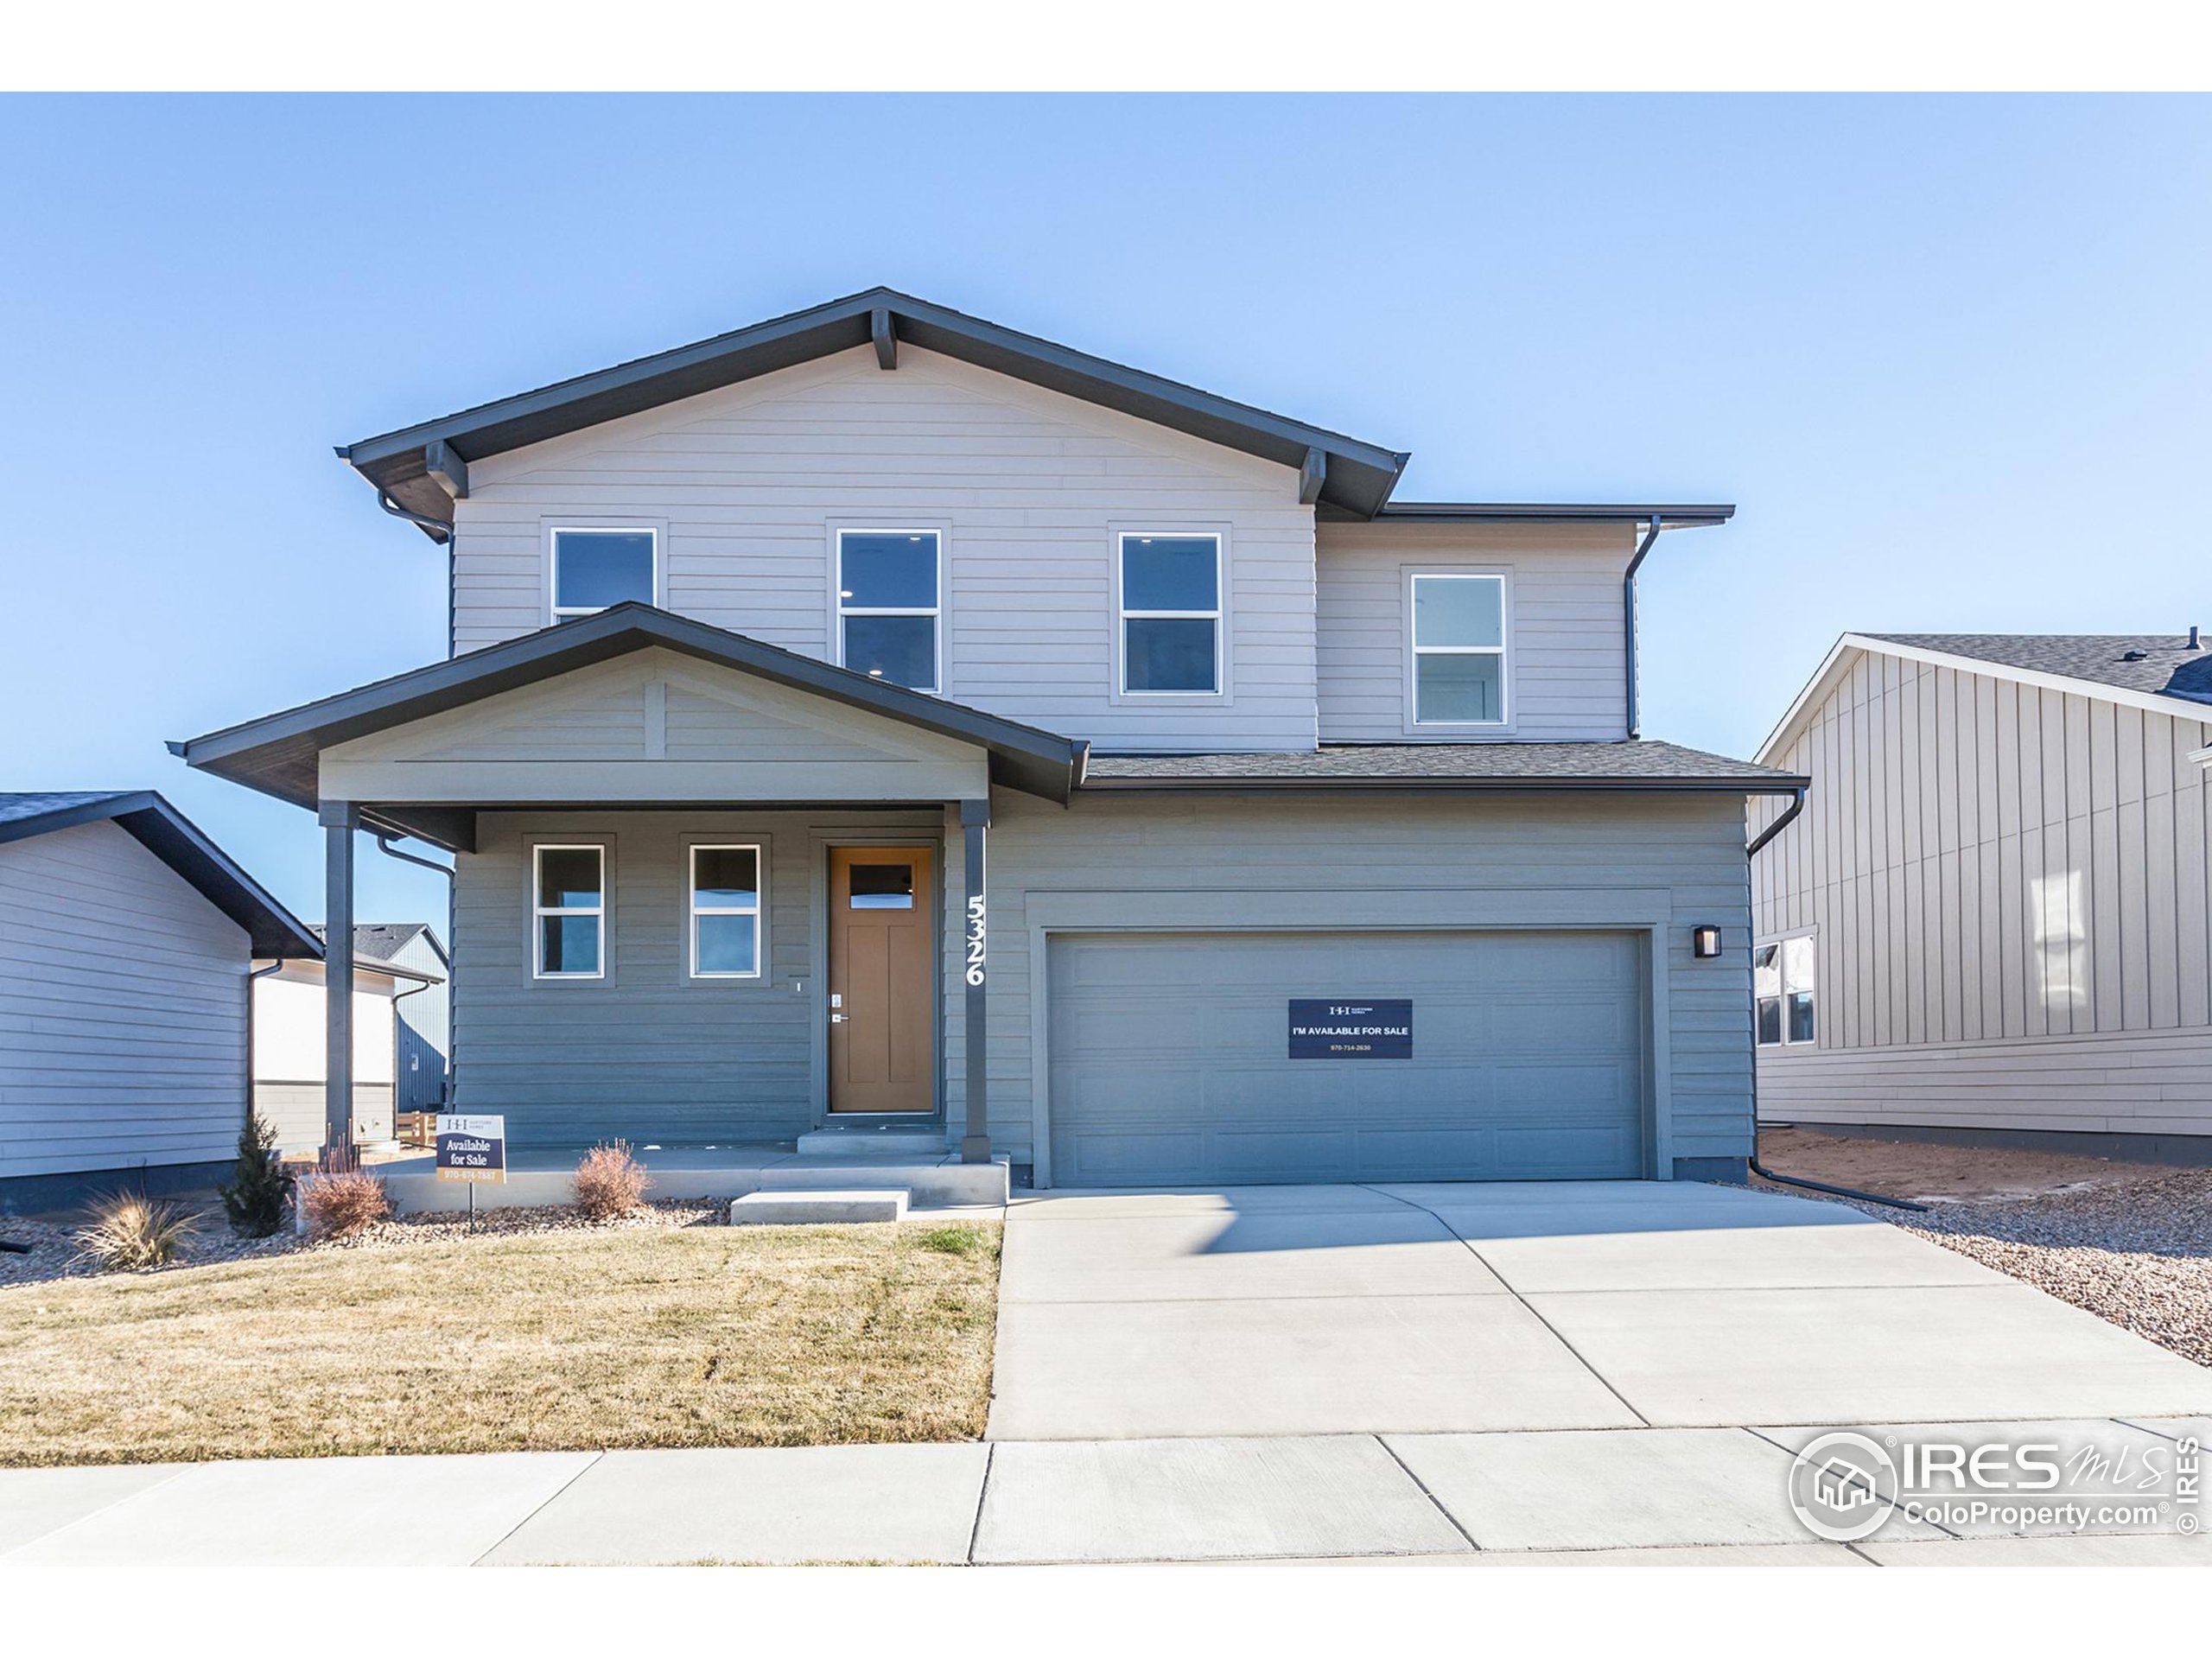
(1443, 1308)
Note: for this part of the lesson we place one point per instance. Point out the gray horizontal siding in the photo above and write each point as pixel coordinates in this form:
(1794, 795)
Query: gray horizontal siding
(1691, 849)
(123, 1023)
(647, 1052)
(1027, 485)
(1564, 656)
(2008, 889)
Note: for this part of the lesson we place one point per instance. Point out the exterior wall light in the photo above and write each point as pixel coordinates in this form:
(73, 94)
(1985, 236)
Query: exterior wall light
(1705, 941)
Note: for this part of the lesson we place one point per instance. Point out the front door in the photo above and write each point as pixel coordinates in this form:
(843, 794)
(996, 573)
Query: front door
(882, 1047)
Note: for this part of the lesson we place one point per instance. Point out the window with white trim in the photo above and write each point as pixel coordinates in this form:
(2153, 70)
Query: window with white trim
(1170, 614)
(1459, 640)
(890, 586)
(595, 567)
(725, 907)
(568, 903)
(1782, 992)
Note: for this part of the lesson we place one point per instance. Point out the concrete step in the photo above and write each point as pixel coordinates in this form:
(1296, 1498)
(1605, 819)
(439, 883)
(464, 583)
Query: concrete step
(841, 1142)
(831, 1204)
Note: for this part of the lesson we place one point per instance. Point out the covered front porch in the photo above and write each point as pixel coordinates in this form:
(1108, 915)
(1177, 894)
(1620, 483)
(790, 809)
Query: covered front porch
(710, 897)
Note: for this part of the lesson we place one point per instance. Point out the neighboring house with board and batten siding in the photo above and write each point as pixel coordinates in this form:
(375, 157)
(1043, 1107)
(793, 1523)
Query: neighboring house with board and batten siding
(1991, 920)
(773, 657)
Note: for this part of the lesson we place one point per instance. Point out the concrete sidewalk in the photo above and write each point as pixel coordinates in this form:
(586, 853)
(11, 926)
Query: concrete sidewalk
(1640, 1496)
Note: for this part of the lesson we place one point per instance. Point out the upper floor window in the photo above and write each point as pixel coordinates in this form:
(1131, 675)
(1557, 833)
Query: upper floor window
(1782, 991)
(594, 569)
(1171, 614)
(888, 605)
(1458, 629)
(568, 897)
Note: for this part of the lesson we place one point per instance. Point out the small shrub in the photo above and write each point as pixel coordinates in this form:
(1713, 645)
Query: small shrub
(341, 1204)
(127, 1232)
(956, 1241)
(261, 1187)
(609, 1182)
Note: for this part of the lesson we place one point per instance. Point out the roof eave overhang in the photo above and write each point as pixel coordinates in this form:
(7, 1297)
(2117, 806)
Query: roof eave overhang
(1778, 783)
(1356, 477)
(266, 754)
(1676, 516)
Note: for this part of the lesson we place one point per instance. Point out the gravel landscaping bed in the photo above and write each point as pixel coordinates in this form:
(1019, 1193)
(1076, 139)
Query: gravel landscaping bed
(54, 1255)
(2134, 1250)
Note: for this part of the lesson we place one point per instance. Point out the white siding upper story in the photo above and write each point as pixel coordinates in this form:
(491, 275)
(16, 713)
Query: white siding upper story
(747, 487)
(123, 1009)
(2005, 885)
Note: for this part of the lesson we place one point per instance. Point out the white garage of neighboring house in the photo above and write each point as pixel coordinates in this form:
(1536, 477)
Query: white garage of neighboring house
(126, 938)
(290, 1062)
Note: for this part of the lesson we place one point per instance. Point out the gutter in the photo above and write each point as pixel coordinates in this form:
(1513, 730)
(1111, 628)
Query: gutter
(1230, 784)
(1789, 816)
(439, 530)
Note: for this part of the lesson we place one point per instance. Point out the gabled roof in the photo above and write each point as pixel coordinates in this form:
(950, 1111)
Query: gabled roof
(388, 939)
(1639, 764)
(1352, 475)
(2158, 673)
(173, 838)
(375, 944)
(279, 754)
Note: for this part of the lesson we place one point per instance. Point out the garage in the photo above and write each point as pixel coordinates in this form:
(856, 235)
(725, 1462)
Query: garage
(1170, 1057)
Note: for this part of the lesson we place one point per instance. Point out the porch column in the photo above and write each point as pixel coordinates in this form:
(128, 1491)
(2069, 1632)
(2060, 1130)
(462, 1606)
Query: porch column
(975, 1130)
(339, 819)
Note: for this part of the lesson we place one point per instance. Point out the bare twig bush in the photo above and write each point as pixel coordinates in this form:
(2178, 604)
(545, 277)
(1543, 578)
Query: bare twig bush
(610, 1182)
(342, 1203)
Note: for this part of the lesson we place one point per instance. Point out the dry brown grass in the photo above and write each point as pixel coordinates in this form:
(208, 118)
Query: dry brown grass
(698, 1336)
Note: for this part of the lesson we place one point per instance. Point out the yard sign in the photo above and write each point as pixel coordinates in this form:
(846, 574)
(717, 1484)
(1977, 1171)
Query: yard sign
(472, 1148)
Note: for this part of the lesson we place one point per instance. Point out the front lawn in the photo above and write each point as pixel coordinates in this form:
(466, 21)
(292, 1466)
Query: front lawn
(622, 1336)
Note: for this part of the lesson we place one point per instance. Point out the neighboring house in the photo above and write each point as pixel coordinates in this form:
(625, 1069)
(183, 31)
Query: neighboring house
(761, 646)
(424, 1012)
(126, 937)
(291, 1059)
(1991, 920)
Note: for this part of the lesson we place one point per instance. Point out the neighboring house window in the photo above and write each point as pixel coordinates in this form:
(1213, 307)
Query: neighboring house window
(1171, 614)
(888, 605)
(595, 568)
(726, 912)
(1782, 991)
(569, 889)
(1458, 628)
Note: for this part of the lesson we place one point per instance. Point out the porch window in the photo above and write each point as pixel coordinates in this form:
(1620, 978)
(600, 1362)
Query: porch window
(1782, 992)
(888, 604)
(726, 912)
(595, 568)
(1458, 634)
(1170, 614)
(571, 901)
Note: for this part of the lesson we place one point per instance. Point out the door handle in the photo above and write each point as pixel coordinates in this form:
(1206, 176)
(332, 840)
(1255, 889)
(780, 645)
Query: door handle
(837, 1019)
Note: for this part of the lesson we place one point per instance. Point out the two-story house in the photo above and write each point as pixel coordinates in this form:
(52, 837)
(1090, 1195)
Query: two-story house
(1321, 843)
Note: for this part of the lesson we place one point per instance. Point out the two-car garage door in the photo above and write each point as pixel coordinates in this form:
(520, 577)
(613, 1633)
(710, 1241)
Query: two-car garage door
(1170, 1058)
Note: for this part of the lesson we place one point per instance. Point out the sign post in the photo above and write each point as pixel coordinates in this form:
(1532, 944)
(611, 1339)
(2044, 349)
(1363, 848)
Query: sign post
(472, 1147)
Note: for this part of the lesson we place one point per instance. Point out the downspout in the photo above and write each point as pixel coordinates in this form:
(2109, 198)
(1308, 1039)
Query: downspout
(1628, 618)
(1796, 806)
(441, 530)
(276, 966)
(453, 1040)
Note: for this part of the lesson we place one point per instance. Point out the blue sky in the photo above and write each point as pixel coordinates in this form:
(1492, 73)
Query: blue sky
(1953, 358)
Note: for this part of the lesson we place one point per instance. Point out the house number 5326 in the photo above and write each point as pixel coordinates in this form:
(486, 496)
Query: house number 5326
(976, 937)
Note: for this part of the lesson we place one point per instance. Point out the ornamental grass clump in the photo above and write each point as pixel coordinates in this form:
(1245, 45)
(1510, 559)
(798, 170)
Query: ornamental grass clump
(610, 1182)
(343, 1203)
(129, 1232)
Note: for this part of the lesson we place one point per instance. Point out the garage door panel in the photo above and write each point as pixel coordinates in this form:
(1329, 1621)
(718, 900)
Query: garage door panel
(1170, 1062)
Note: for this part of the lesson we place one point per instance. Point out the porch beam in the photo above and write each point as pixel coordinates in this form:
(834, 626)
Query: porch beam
(340, 820)
(975, 1130)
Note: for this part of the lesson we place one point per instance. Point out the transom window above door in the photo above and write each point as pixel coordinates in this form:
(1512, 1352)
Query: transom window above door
(1459, 640)
(594, 568)
(1171, 614)
(889, 604)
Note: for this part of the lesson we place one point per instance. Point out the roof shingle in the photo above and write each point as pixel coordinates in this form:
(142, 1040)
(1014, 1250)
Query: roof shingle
(2161, 665)
(1645, 763)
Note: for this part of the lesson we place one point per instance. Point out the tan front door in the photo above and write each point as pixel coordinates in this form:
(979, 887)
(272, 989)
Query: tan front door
(882, 1055)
